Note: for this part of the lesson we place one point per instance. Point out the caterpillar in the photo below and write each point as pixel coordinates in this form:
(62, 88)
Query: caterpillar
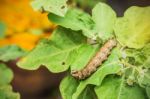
(96, 61)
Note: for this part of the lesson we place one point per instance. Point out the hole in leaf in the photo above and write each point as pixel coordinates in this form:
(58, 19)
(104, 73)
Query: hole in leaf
(63, 63)
(62, 7)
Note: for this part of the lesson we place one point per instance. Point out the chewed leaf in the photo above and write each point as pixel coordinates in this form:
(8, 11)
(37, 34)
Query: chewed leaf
(104, 17)
(6, 75)
(133, 30)
(140, 57)
(10, 52)
(116, 88)
(111, 66)
(76, 19)
(58, 7)
(53, 53)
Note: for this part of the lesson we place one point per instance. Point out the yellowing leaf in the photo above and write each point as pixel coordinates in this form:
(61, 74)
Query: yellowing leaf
(133, 30)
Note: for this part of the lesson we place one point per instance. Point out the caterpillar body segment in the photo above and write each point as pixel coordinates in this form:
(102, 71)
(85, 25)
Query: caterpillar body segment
(96, 61)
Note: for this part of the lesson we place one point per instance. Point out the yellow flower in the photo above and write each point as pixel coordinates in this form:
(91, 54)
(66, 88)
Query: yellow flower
(20, 18)
(24, 40)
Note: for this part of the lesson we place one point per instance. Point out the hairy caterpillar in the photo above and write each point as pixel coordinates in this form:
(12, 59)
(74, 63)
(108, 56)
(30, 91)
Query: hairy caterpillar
(96, 61)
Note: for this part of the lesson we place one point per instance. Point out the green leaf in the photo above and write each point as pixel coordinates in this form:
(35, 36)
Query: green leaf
(10, 52)
(133, 30)
(6, 92)
(148, 92)
(76, 19)
(111, 66)
(6, 75)
(80, 57)
(53, 53)
(68, 86)
(139, 57)
(115, 88)
(104, 17)
(58, 7)
(2, 29)
(88, 93)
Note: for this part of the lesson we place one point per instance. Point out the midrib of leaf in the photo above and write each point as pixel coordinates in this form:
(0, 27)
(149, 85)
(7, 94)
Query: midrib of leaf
(68, 50)
(121, 86)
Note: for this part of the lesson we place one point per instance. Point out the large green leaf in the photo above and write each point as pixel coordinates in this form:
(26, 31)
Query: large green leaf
(68, 86)
(104, 17)
(133, 30)
(76, 19)
(111, 66)
(53, 53)
(6, 92)
(10, 52)
(58, 7)
(116, 88)
(80, 57)
(6, 75)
